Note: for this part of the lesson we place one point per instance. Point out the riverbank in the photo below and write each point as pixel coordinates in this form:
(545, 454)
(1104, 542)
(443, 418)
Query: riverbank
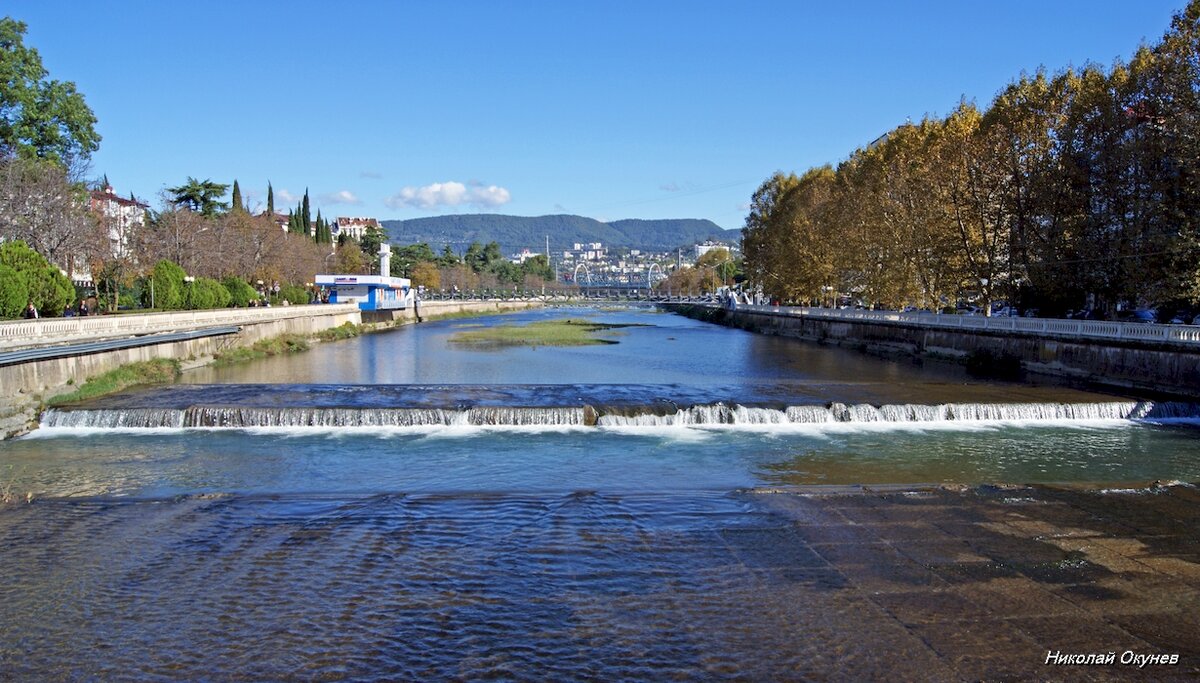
(1125, 357)
(31, 385)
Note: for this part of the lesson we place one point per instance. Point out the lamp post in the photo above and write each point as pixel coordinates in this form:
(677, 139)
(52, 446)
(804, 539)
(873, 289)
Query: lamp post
(188, 280)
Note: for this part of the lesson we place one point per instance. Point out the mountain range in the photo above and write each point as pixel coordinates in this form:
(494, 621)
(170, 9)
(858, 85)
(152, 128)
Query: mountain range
(514, 233)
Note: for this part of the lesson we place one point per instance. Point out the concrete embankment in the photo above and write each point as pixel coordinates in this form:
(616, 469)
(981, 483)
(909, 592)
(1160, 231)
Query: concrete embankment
(1159, 367)
(25, 385)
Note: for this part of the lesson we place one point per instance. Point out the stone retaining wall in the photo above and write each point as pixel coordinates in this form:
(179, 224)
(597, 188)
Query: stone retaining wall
(1148, 366)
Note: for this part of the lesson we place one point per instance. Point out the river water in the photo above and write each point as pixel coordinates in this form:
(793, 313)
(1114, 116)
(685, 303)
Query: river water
(398, 506)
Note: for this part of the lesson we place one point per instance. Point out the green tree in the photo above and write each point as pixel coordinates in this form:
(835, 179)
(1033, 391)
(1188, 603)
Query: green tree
(167, 287)
(40, 118)
(205, 293)
(538, 266)
(407, 257)
(270, 199)
(13, 293)
(474, 257)
(372, 239)
(200, 197)
(448, 258)
(306, 214)
(236, 201)
(45, 285)
(240, 291)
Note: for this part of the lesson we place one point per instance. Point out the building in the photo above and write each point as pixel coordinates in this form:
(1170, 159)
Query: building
(369, 292)
(121, 215)
(120, 218)
(707, 246)
(354, 226)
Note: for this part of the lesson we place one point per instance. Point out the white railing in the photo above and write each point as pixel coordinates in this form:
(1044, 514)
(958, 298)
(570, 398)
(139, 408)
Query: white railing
(46, 331)
(1077, 329)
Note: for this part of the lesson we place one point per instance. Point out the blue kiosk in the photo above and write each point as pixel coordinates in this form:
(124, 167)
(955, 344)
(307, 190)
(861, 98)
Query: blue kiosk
(371, 292)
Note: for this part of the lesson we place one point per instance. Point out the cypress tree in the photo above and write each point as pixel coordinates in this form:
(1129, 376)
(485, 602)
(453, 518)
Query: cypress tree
(317, 234)
(237, 197)
(270, 199)
(306, 214)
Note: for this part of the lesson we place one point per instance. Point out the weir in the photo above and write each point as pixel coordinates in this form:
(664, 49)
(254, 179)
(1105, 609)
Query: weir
(651, 415)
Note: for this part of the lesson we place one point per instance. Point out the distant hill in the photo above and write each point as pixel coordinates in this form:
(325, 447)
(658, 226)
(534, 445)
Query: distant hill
(514, 233)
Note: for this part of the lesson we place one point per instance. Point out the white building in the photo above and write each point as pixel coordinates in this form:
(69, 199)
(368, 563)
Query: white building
(354, 226)
(121, 215)
(707, 246)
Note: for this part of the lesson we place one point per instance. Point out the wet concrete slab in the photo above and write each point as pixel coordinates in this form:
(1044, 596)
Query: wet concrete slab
(905, 584)
(993, 582)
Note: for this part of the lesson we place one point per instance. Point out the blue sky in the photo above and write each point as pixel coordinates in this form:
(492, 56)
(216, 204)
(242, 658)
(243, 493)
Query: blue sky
(607, 109)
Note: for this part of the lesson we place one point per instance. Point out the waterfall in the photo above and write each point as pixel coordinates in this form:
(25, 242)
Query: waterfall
(638, 416)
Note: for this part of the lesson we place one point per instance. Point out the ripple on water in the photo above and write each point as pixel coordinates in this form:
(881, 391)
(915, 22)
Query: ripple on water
(412, 587)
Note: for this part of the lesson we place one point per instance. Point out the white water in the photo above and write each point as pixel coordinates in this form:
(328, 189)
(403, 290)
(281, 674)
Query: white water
(700, 415)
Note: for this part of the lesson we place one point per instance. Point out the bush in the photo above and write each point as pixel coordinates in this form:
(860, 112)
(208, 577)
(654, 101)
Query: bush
(13, 293)
(206, 293)
(166, 287)
(240, 291)
(292, 294)
(45, 285)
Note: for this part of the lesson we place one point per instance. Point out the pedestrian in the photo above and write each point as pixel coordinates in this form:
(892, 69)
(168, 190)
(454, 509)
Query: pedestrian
(83, 307)
(30, 313)
(68, 311)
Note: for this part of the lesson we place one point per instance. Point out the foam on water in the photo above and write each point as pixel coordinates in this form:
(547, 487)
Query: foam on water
(682, 423)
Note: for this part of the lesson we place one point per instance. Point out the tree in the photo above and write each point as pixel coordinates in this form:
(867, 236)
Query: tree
(41, 207)
(306, 214)
(240, 291)
(448, 257)
(199, 196)
(40, 118)
(236, 201)
(270, 200)
(425, 274)
(538, 267)
(13, 292)
(45, 285)
(407, 257)
(166, 291)
(350, 258)
(372, 239)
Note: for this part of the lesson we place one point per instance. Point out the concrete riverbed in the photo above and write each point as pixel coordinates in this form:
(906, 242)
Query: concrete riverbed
(913, 584)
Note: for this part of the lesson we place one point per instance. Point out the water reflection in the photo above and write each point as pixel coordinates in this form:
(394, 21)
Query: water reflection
(664, 348)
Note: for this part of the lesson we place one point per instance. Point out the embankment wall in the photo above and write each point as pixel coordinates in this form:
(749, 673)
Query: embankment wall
(1145, 366)
(24, 386)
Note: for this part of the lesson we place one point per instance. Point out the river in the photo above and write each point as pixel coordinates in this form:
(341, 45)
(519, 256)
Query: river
(398, 506)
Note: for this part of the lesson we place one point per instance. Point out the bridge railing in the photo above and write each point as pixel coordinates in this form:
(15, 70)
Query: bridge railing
(18, 333)
(1078, 329)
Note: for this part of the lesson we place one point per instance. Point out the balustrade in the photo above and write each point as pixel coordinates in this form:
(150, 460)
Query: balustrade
(1086, 329)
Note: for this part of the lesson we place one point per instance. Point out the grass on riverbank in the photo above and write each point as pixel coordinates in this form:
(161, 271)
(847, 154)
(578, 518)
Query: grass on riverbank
(346, 330)
(157, 371)
(284, 343)
(543, 333)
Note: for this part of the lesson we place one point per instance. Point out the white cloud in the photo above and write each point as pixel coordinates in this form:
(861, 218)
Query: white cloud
(450, 194)
(340, 197)
(670, 187)
(288, 197)
(744, 207)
